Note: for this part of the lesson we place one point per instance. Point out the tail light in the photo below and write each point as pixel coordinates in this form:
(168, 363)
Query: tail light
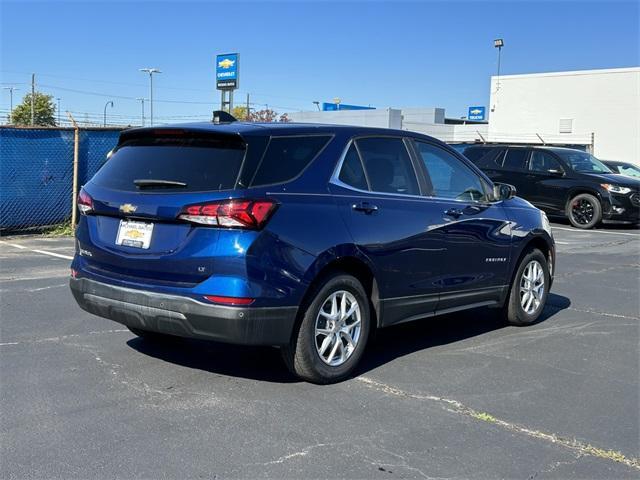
(248, 214)
(85, 202)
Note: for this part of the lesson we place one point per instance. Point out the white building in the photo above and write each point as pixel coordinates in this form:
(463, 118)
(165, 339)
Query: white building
(598, 107)
(598, 110)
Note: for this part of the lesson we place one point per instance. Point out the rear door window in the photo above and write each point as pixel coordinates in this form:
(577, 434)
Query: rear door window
(286, 158)
(388, 165)
(173, 164)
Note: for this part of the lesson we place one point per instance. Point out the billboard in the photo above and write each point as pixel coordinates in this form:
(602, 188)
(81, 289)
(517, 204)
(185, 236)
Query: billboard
(476, 113)
(227, 71)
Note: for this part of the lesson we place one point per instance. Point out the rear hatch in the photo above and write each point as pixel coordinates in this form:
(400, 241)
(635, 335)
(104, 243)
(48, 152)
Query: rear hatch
(133, 230)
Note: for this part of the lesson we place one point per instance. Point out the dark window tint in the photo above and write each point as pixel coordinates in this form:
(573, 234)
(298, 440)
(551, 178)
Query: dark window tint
(515, 159)
(352, 172)
(388, 165)
(199, 164)
(543, 162)
(450, 178)
(476, 153)
(286, 158)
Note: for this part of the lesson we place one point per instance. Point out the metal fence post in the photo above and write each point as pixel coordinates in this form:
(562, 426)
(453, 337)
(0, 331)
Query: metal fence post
(76, 155)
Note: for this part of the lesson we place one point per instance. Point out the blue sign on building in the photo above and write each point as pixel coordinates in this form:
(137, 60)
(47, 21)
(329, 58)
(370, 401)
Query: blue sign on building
(332, 107)
(476, 113)
(227, 71)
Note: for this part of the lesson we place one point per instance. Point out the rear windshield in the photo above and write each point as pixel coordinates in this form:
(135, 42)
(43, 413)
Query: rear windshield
(173, 164)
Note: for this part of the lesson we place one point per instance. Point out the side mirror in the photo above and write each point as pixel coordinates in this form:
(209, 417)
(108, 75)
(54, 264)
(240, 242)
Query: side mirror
(503, 191)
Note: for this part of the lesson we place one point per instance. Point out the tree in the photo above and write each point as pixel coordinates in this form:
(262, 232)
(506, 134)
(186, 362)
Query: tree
(240, 113)
(264, 116)
(44, 111)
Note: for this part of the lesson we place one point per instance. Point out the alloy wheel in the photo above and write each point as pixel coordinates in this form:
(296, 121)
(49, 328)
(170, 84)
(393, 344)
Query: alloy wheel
(337, 328)
(532, 287)
(582, 211)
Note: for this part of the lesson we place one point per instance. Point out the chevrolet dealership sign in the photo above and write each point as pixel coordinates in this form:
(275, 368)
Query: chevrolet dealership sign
(476, 113)
(227, 71)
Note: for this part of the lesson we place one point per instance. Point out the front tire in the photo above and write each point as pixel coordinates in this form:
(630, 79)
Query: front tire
(584, 211)
(332, 333)
(529, 290)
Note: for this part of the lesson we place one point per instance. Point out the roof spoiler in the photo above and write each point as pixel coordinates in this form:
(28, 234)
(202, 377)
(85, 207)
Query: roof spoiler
(220, 116)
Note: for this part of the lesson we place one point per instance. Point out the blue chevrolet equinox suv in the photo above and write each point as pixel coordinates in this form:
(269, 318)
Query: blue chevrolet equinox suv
(304, 237)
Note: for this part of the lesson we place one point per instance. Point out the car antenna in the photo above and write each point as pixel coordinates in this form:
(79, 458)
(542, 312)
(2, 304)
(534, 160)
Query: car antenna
(220, 116)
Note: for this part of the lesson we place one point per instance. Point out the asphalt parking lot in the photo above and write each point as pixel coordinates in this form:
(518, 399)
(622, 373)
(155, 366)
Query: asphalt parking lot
(460, 396)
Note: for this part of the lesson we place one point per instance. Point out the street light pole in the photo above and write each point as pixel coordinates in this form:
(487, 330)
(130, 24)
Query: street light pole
(142, 103)
(150, 71)
(498, 43)
(11, 89)
(110, 102)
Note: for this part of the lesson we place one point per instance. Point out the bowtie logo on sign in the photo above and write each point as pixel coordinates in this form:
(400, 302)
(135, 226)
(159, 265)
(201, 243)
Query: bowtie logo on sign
(476, 113)
(227, 77)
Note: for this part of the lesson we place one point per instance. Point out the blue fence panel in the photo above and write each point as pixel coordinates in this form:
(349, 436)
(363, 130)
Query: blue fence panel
(36, 172)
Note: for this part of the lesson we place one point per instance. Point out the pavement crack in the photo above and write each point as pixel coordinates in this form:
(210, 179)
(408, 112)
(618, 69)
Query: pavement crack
(455, 406)
(61, 338)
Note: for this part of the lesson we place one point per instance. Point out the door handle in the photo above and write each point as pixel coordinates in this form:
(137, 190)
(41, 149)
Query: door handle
(454, 212)
(365, 207)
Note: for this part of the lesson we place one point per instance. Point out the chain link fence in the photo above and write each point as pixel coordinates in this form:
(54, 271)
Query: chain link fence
(36, 172)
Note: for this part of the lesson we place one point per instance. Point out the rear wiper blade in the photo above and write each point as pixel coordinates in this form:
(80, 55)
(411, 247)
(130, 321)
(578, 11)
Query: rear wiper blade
(151, 182)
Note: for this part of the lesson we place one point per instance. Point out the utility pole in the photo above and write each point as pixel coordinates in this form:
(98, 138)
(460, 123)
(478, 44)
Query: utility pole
(104, 123)
(150, 71)
(33, 98)
(142, 102)
(11, 89)
(248, 115)
(58, 99)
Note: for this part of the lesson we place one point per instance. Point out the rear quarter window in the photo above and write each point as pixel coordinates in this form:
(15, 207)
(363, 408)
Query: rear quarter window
(482, 157)
(286, 157)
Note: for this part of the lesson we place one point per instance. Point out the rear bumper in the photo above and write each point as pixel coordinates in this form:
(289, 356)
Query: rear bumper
(184, 316)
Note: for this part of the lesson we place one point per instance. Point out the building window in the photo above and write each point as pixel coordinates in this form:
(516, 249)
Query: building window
(566, 125)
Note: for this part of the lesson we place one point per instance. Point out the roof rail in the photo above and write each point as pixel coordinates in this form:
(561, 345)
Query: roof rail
(220, 116)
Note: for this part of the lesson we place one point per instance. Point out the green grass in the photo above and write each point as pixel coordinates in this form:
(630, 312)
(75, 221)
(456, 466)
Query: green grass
(62, 230)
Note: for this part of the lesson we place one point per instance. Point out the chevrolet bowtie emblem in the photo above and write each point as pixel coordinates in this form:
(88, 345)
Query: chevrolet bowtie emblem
(128, 208)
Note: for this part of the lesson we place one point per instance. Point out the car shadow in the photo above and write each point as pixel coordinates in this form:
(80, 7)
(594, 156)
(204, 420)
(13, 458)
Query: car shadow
(265, 363)
(601, 226)
(404, 339)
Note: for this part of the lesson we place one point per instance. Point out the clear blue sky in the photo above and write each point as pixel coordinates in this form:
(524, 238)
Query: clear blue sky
(380, 53)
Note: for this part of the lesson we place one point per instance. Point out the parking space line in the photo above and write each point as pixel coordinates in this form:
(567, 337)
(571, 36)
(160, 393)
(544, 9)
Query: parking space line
(595, 231)
(455, 406)
(43, 252)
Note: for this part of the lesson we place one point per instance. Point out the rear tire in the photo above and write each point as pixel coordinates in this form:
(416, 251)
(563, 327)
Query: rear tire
(332, 333)
(529, 290)
(584, 211)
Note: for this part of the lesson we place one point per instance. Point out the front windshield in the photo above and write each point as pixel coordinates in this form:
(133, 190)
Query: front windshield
(583, 162)
(630, 170)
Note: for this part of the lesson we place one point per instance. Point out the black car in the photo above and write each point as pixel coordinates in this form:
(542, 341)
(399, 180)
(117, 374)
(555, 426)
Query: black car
(623, 168)
(562, 181)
